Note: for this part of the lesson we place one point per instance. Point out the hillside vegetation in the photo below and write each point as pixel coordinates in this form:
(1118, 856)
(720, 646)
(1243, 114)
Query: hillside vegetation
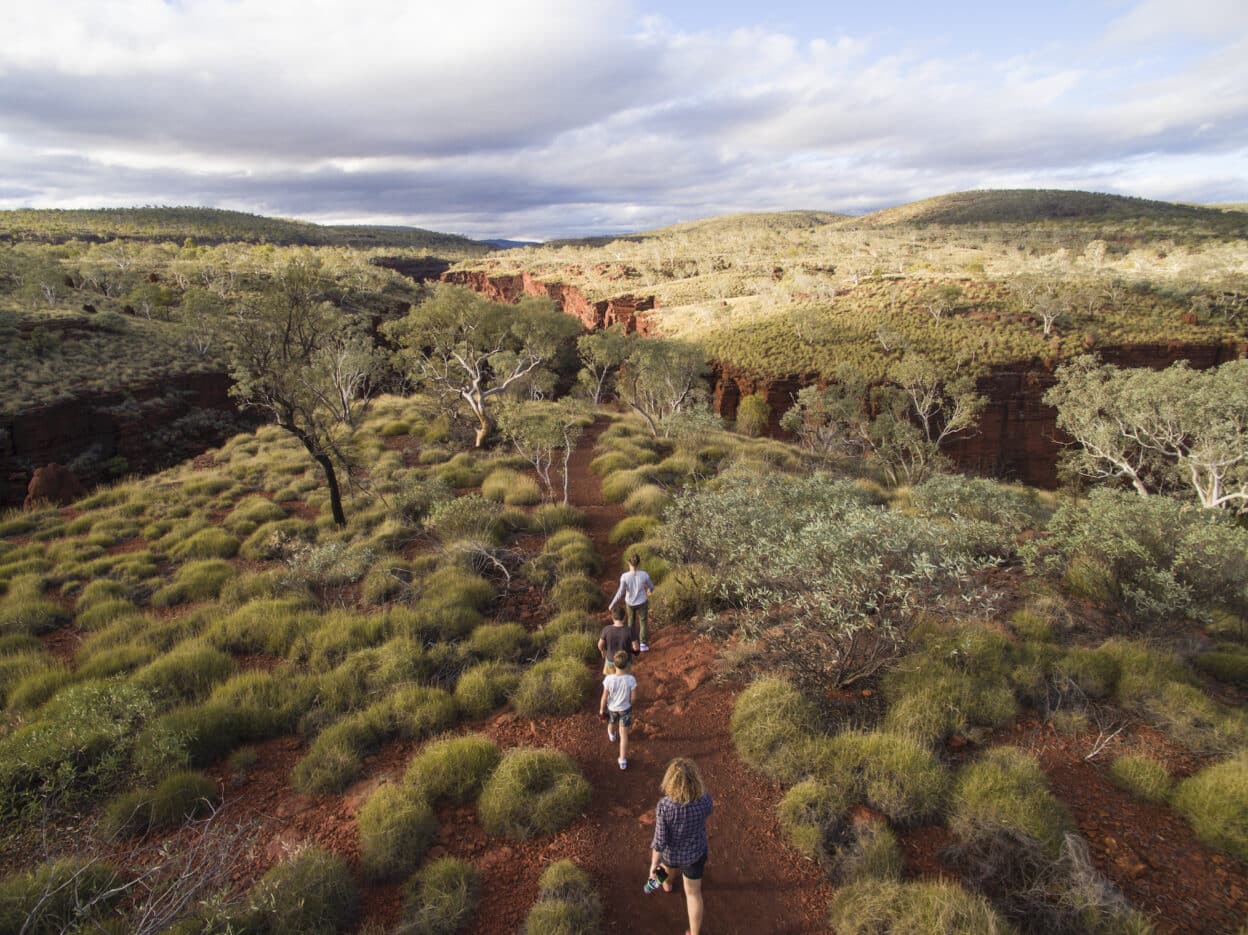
(971, 281)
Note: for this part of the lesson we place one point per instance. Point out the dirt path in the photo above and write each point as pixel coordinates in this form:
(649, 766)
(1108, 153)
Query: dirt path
(755, 885)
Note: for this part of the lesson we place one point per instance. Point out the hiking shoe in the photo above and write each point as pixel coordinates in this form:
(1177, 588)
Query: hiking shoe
(623, 764)
(645, 648)
(612, 735)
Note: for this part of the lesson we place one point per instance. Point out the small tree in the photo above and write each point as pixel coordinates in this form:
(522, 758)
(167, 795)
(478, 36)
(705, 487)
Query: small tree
(281, 347)
(465, 346)
(602, 352)
(753, 414)
(661, 377)
(545, 433)
(940, 299)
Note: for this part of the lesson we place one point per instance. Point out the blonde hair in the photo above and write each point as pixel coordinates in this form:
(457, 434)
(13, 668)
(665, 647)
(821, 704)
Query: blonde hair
(683, 781)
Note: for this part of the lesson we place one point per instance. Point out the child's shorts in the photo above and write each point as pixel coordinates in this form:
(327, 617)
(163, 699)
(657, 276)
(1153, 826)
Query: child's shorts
(624, 717)
(609, 668)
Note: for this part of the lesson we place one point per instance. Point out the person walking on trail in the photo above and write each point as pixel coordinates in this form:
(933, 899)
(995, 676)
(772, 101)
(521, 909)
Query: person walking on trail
(619, 694)
(616, 637)
(680, 835)
(636, 588)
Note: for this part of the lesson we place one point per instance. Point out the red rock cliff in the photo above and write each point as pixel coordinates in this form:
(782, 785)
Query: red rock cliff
(627, 310)
(149, 427)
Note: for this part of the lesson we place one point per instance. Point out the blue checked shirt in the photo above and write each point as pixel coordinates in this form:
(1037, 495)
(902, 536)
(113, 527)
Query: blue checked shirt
(680, 830)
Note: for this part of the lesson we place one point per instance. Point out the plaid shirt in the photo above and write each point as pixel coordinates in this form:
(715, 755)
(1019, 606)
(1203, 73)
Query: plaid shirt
(680, 830)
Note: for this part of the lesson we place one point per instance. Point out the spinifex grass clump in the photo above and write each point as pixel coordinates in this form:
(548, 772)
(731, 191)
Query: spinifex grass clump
(455, 768)
(566, 903)
(1215, 801)
(553, 686)
(177, 798)
(441, 898)
(890, 772)
(56, 898)
(773, 726)
(875, 906)
(1143, 777)
(396, 828)
(532, 792)
(486, 687)
(1005, 789)
(311, 893)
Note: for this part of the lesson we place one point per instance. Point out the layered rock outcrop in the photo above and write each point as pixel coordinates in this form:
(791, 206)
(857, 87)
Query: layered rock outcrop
(135, 430)
(626, 310)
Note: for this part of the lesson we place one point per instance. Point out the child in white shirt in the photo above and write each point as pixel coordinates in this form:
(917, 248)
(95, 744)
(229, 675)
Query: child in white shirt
(619, 691)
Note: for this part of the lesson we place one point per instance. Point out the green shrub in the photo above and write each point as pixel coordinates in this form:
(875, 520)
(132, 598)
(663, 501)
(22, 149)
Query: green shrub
(811, 815)
(67, 896)
(469, 517)
(176, 799)
(753, 415)
(632, 529)
(253, 512)
(1215, 801)
(462, 471)
(1094, 672)
(79, 744)
(576, 592)
(552, 516)
(772, 727)
(1229, 666)
(19, 666)
(572, 621)
(24, 609)
(1142, 777)
(207, 543)
(311, 893)
(1032, 624)
(618, 485)
(872, 854)
(506, 642)
(454, 768)
(486, 687)
(892, 773)
(118, 659)
(36, 688)
(14, 644)
(441, 898)
(930, 700)
(104, 612)
(511, 487)
(273, 539)
(552, 687)
(647, 500)
(186, 674)
(881, 907)
(195, 581)
(194, 736)
(566, 903)
(1006, 789)
(451, 586)
(100, 590)
(263, 626)
(683, 593)
(610, 462)
(580, 646)
(393, 428)
(532, 792)
(396, 828)
(959, 498)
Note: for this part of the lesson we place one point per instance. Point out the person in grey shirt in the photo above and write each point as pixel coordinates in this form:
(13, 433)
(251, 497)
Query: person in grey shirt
(635, 588)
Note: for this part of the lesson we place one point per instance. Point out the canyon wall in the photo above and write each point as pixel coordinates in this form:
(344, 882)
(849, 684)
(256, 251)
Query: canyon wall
(1018, 438)
(136, 430)
(626, 310)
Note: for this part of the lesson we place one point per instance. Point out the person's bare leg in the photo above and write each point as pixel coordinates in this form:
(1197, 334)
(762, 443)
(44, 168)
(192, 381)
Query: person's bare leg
(693, 899)
(623, 742)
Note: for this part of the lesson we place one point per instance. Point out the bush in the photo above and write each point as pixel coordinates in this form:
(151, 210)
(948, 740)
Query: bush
(879, 907)
(580, 646)
(577, 592)
(957, 497)
(552, 516)
(195, 581)
(36, 688)
(16, 668)
(1142, 777)
(1215, 801)
(60, 897)
(1006, 789)
(454, 587)
(890, 772)
(566, 903)
(24, 609)
(931, 700)
(176, 799)
(100, 590)
(812, 815)
(486, 687)
(396, 828)
(511, 487)
(647, 500)
(1229, 666)
(311, 893)
(253, 512)
(273, 539)
(454, 768)
(532, 792)
(610, 462)
(471, 517)
(1093, 672)
(461, 471)
(873, 853)
(102, 613)
(506, 642)
(441, 898)
(553, 686)
(685, 592)
(207, 543)
(753, 415)
(772, 726)
(618, 485)
(632, 529)
(263, 626)
(186, 674)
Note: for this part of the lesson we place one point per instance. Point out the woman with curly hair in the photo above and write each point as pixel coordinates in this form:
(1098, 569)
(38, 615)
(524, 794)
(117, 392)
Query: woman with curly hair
(680, 833)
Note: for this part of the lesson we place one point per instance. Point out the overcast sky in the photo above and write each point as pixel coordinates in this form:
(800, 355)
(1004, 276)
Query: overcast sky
(567, 117)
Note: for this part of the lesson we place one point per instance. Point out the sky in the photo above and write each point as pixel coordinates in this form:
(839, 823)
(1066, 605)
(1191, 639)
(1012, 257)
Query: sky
(534, 120)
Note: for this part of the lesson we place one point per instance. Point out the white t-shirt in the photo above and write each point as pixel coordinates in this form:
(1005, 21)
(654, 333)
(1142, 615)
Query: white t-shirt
(619, 688)
(633, 588)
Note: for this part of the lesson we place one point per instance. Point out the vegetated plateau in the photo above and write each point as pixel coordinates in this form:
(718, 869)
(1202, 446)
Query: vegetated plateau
(320, 676)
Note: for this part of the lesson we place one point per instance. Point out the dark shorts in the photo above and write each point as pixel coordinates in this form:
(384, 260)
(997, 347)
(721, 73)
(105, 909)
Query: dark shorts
(694, 870)
(621, 717)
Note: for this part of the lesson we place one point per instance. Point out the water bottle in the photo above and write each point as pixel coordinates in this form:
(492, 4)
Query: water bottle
(660, 874)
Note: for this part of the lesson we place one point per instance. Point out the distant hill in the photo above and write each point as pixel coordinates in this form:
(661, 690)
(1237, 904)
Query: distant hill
(214, 225)
(1032, 205)
(724, 224)
(499, 243)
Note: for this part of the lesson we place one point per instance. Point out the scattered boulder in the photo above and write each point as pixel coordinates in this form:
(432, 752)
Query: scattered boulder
(53, 484)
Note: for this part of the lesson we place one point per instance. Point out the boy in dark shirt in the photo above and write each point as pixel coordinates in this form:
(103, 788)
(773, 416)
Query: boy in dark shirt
(616, 638)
